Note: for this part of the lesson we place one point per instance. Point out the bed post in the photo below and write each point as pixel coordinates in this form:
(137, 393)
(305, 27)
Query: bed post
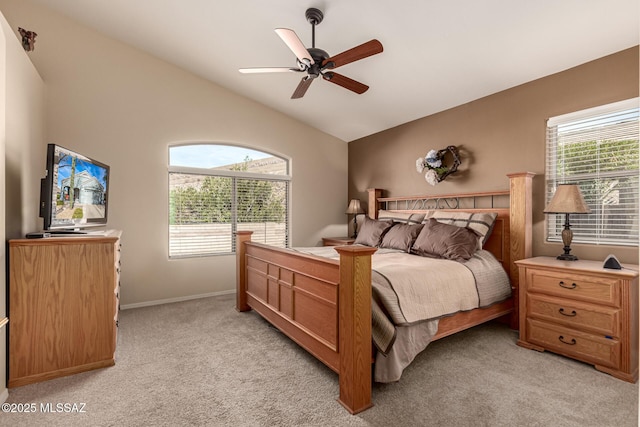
(374, 195)
(241, 270)
(354, 330)
(520, 219)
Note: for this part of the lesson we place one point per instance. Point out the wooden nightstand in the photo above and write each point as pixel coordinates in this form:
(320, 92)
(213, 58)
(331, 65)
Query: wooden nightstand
(337, 241)
(580, 310)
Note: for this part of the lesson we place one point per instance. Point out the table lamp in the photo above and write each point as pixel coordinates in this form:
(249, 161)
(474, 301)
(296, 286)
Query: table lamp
(567, 200)
(354, 209)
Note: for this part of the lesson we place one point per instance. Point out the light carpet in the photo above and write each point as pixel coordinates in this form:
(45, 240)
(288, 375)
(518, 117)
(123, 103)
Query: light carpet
(202, 363)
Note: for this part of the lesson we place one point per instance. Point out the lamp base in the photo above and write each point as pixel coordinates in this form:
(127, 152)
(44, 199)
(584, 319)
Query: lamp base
(567, 237)
(567, 257)
(355, 227)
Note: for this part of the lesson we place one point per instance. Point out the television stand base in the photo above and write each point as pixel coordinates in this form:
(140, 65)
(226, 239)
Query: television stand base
(37, 235)
(53, 233)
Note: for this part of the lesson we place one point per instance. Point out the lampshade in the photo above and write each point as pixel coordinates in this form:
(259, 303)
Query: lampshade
(354, 207)
(567, 199)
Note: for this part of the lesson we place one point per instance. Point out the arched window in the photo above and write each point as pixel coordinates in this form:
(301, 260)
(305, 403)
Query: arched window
(216, 190)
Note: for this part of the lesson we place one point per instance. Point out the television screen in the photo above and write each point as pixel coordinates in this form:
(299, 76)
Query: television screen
(74, 193)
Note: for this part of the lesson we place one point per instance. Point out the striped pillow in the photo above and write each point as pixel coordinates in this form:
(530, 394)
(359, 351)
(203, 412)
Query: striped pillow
(402, 217)
(481, 223)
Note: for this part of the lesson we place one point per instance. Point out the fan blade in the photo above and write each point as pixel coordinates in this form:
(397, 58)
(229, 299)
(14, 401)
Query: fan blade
(365, 50)
(302, 87)
(291, 39)
(345, 82)
(267, 70)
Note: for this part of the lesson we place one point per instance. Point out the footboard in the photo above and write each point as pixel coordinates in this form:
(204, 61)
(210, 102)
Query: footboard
(324, 305)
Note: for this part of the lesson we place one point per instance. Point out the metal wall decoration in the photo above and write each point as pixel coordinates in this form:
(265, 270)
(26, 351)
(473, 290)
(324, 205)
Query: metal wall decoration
(434, 164)
(28, 39)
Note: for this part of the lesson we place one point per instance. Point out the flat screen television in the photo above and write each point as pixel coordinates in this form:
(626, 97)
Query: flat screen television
(74, 194)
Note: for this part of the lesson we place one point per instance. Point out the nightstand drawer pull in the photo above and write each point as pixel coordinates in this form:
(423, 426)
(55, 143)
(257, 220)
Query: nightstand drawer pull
(572, 314)
(572, 342)
(563, 285)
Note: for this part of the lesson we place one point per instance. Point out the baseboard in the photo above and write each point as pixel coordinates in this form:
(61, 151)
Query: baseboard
(4, 395)
(179, 299)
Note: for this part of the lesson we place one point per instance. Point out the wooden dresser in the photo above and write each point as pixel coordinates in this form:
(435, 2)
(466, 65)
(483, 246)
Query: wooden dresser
(63, 305)
(580, 310)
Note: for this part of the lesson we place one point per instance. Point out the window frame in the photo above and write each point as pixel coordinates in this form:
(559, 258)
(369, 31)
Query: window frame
(234, 175)
(594, 236)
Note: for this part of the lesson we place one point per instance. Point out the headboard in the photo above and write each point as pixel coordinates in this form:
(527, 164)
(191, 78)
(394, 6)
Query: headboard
(510, 239)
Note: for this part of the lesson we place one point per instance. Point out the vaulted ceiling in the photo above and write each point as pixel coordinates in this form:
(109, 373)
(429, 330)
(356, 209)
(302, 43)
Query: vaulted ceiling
(437, 54)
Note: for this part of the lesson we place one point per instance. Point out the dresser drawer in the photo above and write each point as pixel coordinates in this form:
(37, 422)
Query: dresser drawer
(601, 320)
(601, 290)
(570, 342)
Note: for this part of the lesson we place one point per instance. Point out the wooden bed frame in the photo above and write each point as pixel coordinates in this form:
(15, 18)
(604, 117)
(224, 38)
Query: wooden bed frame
(324, 305)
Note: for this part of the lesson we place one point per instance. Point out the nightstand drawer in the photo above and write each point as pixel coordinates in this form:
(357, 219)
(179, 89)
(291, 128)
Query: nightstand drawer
(600, 320)
(573, 343)
(595, 289)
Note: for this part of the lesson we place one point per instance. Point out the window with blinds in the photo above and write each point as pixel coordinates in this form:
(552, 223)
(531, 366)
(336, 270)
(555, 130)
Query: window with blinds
(213, 194)
(598, 150)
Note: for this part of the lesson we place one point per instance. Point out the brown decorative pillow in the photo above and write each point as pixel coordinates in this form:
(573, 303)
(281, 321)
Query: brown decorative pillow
(401, 236)
(439, 240)
(481, 223)
(372, 231)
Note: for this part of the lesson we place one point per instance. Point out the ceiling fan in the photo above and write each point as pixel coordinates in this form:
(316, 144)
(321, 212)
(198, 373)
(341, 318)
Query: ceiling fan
(317, 62)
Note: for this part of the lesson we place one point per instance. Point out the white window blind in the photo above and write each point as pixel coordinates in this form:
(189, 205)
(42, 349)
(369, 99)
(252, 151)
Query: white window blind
(598, 150)
(208, 205)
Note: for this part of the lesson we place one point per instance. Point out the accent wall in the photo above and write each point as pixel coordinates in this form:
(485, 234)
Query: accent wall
(497, 135)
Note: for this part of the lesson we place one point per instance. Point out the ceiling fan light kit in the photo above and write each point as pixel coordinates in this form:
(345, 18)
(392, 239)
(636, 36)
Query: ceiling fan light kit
(316, 62)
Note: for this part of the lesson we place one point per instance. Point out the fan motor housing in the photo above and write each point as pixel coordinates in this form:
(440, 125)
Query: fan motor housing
(318, 56)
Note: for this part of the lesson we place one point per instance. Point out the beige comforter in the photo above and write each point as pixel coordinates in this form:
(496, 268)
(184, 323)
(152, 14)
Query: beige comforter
(410, 293)
(425, 288)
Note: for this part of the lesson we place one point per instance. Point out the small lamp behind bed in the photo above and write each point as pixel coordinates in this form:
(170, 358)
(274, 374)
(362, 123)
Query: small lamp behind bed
(567, 200)
(354, 209)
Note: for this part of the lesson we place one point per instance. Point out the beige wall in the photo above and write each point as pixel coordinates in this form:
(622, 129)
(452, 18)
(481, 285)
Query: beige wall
(24, 163)
(498, 134)
(124, 108)
(21, 129)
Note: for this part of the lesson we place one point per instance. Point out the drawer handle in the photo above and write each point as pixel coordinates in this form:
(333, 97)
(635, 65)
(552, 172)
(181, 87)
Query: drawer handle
(572, 314)
(572, 342)
(563, 285)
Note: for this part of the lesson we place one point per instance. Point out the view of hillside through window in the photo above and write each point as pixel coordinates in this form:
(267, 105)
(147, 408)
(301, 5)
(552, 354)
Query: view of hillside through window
(225, 189)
